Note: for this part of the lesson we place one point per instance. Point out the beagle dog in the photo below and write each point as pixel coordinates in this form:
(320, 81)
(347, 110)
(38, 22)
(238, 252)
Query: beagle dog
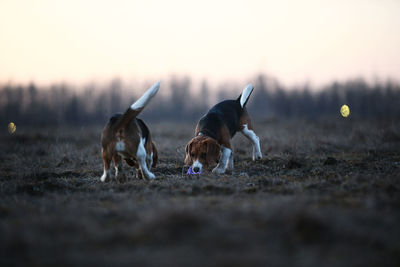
(128, 137)
(214, 132)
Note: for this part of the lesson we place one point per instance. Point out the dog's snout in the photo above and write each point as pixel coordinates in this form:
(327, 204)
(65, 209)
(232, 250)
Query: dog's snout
(196, 169)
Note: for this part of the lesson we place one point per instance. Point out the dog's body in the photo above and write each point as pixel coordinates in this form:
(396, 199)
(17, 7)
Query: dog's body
(128, 137)
(215, 130)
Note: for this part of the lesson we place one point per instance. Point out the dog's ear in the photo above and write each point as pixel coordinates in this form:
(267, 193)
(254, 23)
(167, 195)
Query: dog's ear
(213, 151)
(188, 149)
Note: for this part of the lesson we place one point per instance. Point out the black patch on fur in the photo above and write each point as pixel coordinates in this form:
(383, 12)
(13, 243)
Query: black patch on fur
(114, 119)
(227, 113)
(144, 129)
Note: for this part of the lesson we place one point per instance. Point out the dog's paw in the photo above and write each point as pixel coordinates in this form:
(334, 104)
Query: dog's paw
(257, 157)
(105, 178)
(151, 176)
(218, 170)
(138, 175)
(145, 175)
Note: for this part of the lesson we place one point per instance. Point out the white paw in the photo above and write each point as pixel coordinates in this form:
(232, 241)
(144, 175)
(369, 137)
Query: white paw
(150, 176)
(218, 170)
(104, 178)
(257, 156)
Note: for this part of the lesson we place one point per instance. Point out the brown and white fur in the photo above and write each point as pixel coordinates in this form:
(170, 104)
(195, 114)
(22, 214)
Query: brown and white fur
(127, 137)
(214, 132)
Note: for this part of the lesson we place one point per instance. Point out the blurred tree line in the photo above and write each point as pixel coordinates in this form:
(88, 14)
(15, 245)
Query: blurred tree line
(176, 101)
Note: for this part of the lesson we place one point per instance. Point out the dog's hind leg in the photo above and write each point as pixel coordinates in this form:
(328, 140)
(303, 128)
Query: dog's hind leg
(151, 155)
(230, 162)
(254, 139)
(107, 162)
(119, 174)
(141, 156)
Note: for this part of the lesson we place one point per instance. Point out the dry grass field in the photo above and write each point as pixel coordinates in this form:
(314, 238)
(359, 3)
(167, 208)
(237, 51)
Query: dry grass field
(326, 193)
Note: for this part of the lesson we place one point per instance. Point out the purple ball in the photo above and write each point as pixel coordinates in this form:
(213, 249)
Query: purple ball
(190, 171)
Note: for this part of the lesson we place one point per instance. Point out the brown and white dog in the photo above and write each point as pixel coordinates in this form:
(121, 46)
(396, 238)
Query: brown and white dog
(214, 132)
(128, 137)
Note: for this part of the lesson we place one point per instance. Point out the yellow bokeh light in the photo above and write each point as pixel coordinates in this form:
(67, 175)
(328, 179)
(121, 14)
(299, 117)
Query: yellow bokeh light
(345, 110)
(12, 127)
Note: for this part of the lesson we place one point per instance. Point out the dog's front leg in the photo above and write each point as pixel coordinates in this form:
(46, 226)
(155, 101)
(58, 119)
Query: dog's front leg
(224, 160)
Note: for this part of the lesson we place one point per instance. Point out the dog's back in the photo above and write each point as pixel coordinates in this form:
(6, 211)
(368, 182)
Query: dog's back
(145, 132)
(227, 113)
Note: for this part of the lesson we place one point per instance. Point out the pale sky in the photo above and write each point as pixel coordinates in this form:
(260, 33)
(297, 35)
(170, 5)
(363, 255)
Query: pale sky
(82, 41)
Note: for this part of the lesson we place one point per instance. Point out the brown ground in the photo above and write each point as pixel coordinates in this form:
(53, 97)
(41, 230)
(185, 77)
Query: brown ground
(325, 194)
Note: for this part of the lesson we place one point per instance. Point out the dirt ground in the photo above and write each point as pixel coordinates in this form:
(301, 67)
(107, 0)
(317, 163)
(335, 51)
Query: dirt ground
(326, 193)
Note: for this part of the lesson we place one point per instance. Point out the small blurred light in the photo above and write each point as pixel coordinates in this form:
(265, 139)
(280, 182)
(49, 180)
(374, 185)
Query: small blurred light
(345, 110)
(12, 127)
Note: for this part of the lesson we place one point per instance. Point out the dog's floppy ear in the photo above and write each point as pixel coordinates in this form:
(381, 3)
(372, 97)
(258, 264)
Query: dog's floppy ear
(213, 150)
(188, 149)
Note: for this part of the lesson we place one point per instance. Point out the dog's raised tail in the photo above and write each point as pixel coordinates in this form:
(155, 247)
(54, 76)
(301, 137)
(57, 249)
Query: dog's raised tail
(146, 97)
(244, 96)
(138, 106)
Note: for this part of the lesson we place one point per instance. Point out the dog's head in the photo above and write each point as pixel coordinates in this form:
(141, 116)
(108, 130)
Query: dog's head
(202, 151)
